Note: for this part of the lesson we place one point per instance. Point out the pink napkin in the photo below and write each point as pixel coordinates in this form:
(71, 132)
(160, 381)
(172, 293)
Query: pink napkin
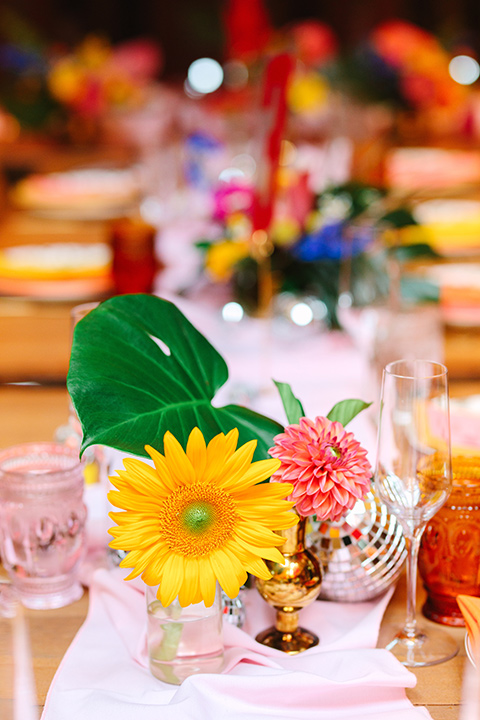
(104, 676)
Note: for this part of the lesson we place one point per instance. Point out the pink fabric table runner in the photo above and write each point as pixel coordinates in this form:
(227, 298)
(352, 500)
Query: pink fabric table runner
(104, 675)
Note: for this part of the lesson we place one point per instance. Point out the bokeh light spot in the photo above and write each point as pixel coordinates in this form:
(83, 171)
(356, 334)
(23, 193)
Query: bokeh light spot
(464, 69)
(205, 75)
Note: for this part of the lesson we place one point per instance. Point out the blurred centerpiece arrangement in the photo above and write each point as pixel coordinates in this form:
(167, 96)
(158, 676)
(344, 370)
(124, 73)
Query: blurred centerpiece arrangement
(67, 92)
(321, 245)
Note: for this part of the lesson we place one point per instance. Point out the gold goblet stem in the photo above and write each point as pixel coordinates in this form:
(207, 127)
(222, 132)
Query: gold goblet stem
(291, 587)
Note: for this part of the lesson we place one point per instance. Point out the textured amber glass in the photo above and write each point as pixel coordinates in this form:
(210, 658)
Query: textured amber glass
(449, 558)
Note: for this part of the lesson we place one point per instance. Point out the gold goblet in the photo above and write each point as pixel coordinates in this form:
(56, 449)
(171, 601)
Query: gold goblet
(291, 587)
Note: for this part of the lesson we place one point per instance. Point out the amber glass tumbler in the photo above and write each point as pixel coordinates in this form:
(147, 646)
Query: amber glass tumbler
(449, 557)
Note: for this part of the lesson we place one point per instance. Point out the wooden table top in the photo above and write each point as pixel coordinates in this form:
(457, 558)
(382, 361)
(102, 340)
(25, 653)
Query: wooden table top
(32, 413)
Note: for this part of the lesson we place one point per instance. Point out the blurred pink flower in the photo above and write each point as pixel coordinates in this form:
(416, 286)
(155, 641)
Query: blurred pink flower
(315, 42)
(140, 59)
(326, 465)
(232, 197)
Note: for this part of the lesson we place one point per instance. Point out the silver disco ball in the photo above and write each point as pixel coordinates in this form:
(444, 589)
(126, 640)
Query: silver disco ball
(361, 555)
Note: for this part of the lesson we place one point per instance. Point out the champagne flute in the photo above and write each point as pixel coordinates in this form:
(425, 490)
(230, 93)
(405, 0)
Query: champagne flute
(413, 477)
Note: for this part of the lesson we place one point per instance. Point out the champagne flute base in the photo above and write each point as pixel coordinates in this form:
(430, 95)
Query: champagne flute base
(426, 647)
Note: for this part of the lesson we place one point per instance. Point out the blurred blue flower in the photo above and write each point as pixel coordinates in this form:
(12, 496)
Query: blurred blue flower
(21, 59)
(332, 242)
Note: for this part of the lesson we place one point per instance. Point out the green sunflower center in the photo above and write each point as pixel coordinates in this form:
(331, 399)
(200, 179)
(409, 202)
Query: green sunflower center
(197, 519)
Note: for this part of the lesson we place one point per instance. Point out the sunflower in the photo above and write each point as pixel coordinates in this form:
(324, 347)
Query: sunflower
(199, 516)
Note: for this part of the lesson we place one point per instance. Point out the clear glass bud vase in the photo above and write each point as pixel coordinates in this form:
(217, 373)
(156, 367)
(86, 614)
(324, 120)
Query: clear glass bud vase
(183, 641)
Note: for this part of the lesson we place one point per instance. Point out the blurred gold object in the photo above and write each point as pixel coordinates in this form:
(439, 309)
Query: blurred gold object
(292, 586)
(261, 248)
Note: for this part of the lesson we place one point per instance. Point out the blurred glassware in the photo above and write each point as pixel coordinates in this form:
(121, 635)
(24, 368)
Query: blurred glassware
(71, 433)
(95, 469)
(411, 332)
(134, 261)
(42, 519)
(449, 556)
(234, 609)
(14, 631)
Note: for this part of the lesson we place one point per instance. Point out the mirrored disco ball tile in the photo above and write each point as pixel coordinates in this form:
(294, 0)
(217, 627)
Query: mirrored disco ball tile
(362, 555)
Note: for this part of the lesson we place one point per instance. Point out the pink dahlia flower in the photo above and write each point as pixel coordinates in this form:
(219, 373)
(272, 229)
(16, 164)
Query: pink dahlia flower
(326, 465)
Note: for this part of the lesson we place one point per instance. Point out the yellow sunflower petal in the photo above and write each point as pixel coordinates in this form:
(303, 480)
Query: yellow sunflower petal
(222, 567)
(237, 466)
(277, 520)
(216, 458)
(143, 477)
(180, 466)
(138, 560)
(172, 578)
(129, 544)
(118, 482)
(257, 567)
(153, 573)
(264, 491)
(208, 581)
(258, 535)
(257, 473)
(231, 441)
(130, 517)
(254, 511)
(273, 554)
(138, 530)
(161, 467)
(236, 563)
(190, 590)
(128, 500)
(197, 452)
(260, 551)
(219, 450)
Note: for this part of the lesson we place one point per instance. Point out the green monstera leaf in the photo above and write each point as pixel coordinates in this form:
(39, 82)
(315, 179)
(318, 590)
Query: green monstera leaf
(138, 368)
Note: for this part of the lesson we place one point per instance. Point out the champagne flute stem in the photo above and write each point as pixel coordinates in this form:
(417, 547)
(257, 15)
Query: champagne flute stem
(413, 545)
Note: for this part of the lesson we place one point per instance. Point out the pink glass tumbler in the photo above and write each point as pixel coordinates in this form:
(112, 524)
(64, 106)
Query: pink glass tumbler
(42, 522)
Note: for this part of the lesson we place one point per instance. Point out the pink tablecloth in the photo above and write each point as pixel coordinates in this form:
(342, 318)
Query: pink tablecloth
(103, 676)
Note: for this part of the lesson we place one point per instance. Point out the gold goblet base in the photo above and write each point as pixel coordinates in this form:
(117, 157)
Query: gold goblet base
(291, 643)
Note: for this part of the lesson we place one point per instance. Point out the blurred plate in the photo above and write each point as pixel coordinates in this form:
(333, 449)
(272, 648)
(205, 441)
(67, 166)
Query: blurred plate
(84, 194)
(56, 271)
(468, 649)
(84, 289)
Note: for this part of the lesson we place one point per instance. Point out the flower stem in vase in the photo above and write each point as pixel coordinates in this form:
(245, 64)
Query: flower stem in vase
(292, 586)
(183, 641)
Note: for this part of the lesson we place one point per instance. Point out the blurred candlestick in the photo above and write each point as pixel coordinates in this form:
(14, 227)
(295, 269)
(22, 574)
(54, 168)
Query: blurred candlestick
(247, 29)
(274, 114)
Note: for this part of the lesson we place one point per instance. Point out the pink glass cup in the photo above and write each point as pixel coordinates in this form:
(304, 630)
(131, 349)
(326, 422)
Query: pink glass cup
(42, 522)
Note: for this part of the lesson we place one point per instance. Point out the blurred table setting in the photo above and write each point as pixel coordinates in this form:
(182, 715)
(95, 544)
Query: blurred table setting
(247, 248)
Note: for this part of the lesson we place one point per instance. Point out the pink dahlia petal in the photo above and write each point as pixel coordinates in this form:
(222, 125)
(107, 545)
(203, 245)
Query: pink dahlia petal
(327, 467)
